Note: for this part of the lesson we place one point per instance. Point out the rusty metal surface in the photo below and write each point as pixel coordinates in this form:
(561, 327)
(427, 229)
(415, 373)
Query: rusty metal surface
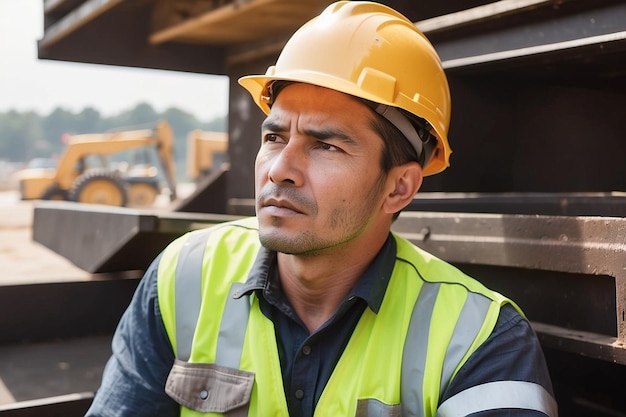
(595, 246)
(612, 204)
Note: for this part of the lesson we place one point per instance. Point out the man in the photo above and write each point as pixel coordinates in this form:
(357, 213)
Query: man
(314, 307)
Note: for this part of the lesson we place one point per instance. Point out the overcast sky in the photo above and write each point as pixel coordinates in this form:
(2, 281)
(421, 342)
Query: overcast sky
(27, 83)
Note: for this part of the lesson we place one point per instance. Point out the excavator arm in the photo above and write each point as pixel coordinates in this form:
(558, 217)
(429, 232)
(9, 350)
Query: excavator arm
(165, 148)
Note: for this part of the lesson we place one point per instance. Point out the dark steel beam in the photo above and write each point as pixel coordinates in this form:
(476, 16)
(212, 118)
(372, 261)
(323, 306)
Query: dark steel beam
(555, 31)
(111, 239)
(611, 204)
(210, 195)
(62, 310)
(484, 13)
(97, 36)
(78, 17)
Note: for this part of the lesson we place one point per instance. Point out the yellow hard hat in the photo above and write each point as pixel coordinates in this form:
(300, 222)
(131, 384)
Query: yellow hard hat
(371, 51)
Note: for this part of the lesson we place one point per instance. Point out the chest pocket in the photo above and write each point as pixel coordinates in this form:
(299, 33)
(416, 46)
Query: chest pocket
(210, 388)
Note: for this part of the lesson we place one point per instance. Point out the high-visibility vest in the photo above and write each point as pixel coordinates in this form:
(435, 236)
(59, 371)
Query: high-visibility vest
(397, 362)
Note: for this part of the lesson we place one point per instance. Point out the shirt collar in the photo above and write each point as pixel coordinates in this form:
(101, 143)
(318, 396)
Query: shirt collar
(371, 287)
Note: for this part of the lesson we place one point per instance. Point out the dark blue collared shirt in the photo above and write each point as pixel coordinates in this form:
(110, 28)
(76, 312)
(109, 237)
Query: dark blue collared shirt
(134, 378)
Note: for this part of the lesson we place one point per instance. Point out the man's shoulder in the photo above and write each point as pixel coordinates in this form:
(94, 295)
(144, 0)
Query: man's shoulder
(426, 265)
(430, 268)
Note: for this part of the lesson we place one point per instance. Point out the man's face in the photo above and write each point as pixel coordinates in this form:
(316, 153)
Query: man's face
(319, 184)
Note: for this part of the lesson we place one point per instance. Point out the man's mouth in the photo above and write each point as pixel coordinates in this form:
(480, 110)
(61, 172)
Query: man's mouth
(280, 204)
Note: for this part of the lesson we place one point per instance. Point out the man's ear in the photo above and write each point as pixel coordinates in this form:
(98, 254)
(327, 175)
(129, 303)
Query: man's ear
(403, 181)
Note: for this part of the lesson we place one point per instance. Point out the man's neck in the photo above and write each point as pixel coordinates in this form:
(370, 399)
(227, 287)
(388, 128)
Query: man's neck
(316, 285)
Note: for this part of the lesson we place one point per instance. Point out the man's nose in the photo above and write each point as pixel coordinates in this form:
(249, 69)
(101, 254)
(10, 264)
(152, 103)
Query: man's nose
(288, 165)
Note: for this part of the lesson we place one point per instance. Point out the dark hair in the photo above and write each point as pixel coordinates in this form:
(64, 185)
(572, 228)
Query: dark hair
(397, 150)
(273, 88)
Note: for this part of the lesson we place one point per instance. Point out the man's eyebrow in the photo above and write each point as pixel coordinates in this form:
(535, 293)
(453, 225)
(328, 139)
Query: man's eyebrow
(321, 133)
(272, 125)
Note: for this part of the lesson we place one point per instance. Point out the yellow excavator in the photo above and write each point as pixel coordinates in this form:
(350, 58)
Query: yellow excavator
(123, 184)
(206, 151)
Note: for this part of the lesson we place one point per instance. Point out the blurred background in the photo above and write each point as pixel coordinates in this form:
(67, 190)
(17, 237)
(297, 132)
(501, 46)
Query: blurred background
(44, 101)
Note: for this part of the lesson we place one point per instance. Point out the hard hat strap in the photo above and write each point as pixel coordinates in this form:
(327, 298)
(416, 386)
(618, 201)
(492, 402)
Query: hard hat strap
(419, 139)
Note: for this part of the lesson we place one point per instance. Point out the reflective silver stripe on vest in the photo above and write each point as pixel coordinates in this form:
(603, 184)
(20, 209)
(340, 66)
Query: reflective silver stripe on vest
(188, 296)
(467, 327)
(465, 331)
(414, 355)
(232, 329)
(499, 395)
(370, 407)
(188, 292)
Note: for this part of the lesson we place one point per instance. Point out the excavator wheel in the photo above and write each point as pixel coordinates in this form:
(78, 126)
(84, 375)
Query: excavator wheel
(99, 187)
(142, 194)
(54, 192)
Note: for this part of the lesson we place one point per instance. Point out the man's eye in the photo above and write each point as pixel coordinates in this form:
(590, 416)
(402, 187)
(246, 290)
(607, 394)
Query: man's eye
(328, 147)
(271, 137)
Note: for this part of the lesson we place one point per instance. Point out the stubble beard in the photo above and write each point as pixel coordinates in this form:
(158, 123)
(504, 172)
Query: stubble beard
(309, 243)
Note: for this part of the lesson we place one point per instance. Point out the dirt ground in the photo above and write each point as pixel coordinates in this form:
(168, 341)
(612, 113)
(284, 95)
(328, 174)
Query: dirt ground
(21, 259)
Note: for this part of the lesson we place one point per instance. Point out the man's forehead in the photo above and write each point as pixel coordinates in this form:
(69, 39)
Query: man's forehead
(301, 98)
(310, 92)
(302, 117)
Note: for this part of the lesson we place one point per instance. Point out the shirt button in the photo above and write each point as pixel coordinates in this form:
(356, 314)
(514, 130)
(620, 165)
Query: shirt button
(299, 394)
(306, 350)
(204, 394)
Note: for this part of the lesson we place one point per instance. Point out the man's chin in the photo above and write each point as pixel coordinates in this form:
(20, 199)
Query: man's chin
(275, 242)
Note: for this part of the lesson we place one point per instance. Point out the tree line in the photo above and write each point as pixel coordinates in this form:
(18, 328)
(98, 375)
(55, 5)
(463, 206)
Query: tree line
(28, 135)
